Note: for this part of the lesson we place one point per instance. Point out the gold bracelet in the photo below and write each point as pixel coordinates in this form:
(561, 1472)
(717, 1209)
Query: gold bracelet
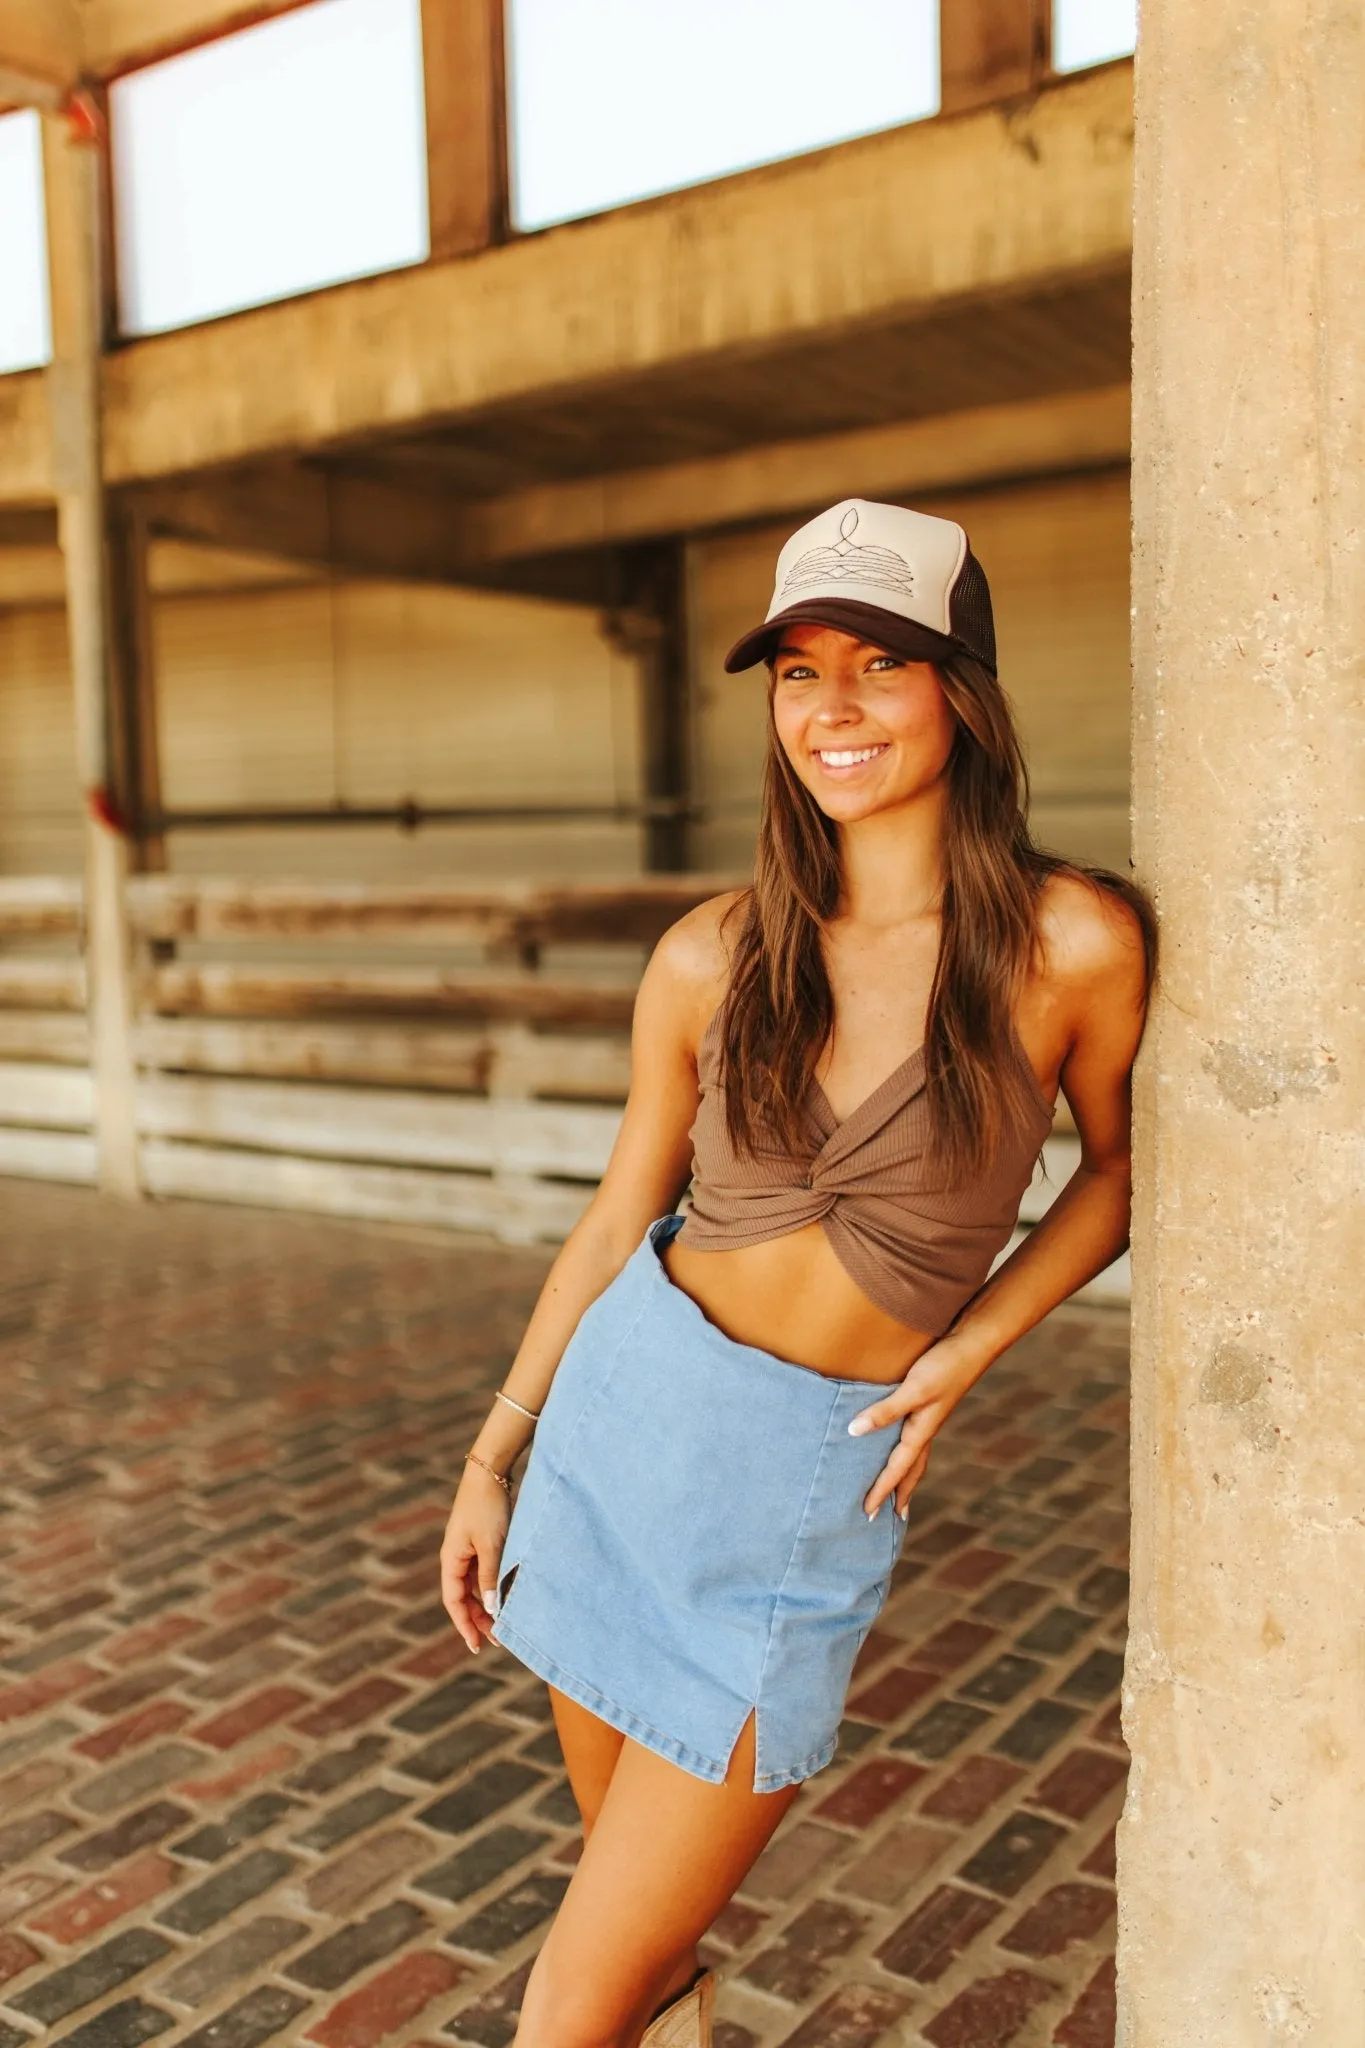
(473, 1458)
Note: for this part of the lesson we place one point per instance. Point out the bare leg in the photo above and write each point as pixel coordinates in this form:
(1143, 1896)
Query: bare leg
(591, 1750)
(665, 1853)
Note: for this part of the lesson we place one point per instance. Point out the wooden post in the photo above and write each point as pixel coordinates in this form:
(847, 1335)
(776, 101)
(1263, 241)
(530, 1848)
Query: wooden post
(466, 105)
(511, 1070)
(991, 50)
(653, 626)
(73, 169)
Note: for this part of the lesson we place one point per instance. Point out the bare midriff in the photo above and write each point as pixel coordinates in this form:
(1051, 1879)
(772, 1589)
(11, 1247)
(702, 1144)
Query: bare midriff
(791, 1297)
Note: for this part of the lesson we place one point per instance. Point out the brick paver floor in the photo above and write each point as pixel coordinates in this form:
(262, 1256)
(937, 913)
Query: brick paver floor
(253, 1789)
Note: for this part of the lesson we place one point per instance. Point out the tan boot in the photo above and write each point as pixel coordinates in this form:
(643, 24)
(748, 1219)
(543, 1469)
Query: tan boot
(686, 2023)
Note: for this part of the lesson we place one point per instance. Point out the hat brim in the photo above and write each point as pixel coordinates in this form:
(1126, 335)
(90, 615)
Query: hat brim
(870, 622)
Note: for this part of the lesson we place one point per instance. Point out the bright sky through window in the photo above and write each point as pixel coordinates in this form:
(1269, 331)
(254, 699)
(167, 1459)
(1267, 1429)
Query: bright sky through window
(1088, 32)
(25, 323)
(612, 100)
(270, 162)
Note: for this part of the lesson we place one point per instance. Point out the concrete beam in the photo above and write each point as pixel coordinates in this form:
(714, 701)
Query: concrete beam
(39, 52)
(20, 88)
(401, 528)
(33, 577)
(304, 515)
(116, 35)
(360, 525)
(404, 529)
(990, 444)
(844, 242)
(46, 45)
(26, 477)
(1241, 1852)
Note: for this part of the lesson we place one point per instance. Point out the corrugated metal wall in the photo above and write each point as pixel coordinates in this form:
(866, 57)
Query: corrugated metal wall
(365, 693)
(374, 693)
(370, 693)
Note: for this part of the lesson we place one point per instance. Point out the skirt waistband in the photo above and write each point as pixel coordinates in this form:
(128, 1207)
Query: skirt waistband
(644, 1271)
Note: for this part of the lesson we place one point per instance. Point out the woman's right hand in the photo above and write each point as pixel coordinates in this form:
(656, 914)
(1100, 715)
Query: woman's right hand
(471, 1552)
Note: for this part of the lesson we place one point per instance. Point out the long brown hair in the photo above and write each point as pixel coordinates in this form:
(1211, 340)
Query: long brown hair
(779, 1009)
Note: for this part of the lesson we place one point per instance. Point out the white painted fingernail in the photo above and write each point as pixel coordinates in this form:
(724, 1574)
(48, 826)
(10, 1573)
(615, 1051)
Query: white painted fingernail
(859, 1426)
(489, 1602)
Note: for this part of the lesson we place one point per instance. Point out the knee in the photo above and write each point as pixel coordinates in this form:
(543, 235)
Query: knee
(562, 2011)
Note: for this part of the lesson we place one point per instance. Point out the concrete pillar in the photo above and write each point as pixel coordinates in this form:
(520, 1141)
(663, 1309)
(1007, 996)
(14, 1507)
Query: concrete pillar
(1242, 1850)
(72, 172)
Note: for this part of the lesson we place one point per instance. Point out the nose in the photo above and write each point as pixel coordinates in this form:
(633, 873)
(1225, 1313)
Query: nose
(837, 704)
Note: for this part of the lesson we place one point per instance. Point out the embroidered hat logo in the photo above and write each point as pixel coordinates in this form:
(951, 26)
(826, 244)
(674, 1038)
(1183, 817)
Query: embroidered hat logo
(847, 562)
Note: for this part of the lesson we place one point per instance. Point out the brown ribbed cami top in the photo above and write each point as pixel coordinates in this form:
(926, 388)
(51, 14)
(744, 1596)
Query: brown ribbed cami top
(917, 1251)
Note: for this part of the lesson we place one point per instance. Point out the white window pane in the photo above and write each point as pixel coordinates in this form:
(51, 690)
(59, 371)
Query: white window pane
(613, 99)
(25, 321)
(1091, 32)
(285, 157)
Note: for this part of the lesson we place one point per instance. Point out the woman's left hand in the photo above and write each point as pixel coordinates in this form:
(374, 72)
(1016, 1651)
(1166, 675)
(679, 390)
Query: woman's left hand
(921, 1403)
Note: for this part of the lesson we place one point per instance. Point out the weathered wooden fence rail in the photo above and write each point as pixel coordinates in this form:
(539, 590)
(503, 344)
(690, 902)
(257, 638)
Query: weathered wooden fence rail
(46, 1094)
(511, 917)
(484, 1097)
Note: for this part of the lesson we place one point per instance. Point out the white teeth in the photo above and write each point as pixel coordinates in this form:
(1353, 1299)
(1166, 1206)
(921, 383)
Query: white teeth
(847, 757)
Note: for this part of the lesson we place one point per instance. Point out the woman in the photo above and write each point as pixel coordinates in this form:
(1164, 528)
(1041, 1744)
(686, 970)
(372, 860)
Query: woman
(735, 1406)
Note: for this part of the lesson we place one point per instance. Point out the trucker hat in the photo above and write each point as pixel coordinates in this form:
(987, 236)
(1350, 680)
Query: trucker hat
(906, 580)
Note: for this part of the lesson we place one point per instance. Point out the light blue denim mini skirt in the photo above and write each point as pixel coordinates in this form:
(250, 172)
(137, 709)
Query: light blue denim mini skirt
(688, 1544)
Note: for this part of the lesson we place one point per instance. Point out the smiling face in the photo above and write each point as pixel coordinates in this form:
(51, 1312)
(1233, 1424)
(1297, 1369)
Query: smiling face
(863, 730)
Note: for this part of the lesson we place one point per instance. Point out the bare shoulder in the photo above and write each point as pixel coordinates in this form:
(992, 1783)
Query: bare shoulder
(689, 969)
(699, 946)
(1092, 940)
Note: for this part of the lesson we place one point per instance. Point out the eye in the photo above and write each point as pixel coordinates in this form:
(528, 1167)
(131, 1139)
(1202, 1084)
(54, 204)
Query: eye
(797, 673)
(886, 661)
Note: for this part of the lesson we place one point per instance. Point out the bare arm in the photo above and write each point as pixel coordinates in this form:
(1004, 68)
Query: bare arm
(1086, 1227)
(648, 1170)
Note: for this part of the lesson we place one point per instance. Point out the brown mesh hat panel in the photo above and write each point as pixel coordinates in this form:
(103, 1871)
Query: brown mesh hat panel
(973, 619)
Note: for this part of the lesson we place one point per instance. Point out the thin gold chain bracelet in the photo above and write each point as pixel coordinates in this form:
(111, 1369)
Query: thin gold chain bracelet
(473, 1458)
